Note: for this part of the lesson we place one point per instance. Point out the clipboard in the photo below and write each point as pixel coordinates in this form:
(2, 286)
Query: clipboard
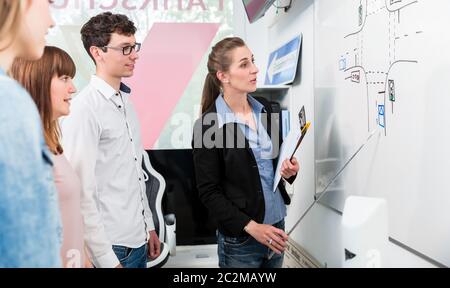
(303, 128)
(291, 145)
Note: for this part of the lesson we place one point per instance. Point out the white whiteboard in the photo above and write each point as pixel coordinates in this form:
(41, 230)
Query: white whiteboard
(382, 68)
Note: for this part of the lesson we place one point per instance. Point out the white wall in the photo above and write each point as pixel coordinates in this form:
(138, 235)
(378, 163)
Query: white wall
(320, 231)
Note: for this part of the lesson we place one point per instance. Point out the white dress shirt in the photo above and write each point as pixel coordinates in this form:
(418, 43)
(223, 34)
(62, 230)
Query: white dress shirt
(101, 139)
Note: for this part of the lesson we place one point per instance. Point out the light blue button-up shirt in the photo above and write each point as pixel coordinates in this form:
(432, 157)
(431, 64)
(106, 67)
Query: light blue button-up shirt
(261, 146)
(30, 224)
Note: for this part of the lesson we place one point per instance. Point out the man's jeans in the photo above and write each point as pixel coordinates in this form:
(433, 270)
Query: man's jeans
(246, 252)
(132, 257)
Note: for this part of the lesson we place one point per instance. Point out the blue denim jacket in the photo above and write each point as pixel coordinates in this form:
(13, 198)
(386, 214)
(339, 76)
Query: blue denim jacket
(30, 224)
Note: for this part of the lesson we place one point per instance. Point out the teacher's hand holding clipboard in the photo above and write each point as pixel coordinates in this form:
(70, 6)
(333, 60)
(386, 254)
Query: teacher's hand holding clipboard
(287, 164)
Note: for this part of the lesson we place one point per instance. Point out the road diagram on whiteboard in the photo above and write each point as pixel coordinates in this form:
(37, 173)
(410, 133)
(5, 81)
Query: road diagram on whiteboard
(372, 51)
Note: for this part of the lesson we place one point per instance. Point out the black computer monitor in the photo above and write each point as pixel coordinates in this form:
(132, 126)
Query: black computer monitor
(194, 224)
(256, 8)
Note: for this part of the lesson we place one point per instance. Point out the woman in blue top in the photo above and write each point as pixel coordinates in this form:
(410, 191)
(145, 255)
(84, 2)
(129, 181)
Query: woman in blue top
(235, 158)
(30, 225)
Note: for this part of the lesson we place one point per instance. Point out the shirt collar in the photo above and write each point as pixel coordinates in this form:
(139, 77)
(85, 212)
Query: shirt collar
(256, 106)
(2, 73)
(105, 89)
(225, 115)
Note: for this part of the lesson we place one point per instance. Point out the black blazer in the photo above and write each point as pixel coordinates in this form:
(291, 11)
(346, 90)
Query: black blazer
(228, 179)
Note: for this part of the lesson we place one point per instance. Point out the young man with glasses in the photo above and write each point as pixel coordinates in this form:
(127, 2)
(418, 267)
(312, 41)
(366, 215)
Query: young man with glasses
(101, 139)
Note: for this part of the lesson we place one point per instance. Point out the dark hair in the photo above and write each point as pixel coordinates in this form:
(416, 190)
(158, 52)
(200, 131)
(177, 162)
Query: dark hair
(219, 60)
(97, 31)
(36, 77)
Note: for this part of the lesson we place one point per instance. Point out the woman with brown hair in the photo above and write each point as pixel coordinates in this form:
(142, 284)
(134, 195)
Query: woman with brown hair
(49, 81)
(234, 162)
(29, 216)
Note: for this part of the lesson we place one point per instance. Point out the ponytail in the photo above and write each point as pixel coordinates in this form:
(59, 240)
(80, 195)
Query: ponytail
(211, 91)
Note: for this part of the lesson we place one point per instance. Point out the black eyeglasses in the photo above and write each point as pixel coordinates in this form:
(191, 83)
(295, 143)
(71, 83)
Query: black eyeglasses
(127, 50)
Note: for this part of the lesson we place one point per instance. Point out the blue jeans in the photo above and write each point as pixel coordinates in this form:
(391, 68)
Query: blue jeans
(131, 257)
(246, 252)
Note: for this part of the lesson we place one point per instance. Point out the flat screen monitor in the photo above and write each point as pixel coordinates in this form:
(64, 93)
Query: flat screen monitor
(194, 224)
(256, 8)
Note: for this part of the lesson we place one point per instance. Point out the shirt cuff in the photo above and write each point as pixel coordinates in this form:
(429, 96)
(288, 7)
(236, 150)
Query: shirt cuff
(109, 260)
(151, 225)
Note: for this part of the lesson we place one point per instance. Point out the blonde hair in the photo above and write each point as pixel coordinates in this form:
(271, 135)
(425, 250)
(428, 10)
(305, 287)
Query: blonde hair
(10, 17)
